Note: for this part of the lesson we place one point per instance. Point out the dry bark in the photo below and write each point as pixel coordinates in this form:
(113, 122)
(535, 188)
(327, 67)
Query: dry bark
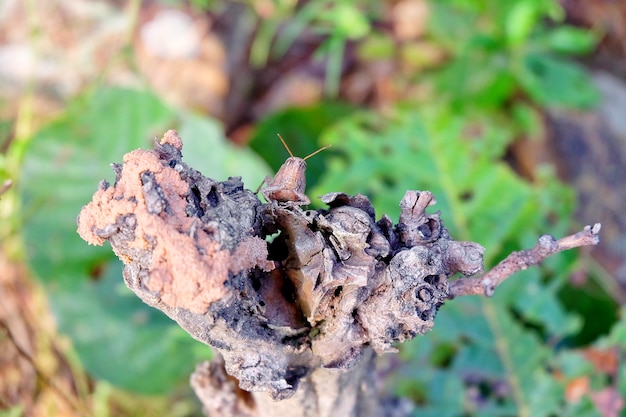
(517, 261)
(300, 316)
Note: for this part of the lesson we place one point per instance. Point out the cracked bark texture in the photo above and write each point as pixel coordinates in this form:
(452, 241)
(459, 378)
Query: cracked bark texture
(297, 303)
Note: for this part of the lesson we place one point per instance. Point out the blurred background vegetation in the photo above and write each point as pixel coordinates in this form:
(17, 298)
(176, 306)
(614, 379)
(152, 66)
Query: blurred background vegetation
(510, 112)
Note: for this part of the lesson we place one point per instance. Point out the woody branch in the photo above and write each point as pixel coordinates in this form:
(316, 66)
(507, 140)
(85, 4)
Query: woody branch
(518, 261)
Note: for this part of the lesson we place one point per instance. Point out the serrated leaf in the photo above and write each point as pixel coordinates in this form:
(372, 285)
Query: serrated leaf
(447, 394)
(538, 304)
(489, 87)
(523, 358)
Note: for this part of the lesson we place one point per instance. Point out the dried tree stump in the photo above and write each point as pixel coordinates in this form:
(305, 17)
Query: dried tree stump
(297, 302)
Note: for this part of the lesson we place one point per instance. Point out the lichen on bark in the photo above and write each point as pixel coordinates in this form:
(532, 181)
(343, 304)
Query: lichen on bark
(285, 295)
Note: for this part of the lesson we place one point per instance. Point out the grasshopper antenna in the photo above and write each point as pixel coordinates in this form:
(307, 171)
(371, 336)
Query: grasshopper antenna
(316, 152)
(306, 157)
(285, 144)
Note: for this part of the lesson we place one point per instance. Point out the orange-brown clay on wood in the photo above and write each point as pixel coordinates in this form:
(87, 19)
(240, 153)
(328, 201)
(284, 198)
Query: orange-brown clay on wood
(180, 272)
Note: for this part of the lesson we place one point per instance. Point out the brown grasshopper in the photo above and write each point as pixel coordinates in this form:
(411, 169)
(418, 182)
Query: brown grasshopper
(289, 183)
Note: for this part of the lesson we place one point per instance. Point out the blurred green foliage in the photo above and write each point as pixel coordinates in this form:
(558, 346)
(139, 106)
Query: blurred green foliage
(16, 411)
(504, 62)
(500, 50)
(338, 21)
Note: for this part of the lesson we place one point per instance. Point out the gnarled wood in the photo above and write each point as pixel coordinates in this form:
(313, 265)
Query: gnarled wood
(299, 318)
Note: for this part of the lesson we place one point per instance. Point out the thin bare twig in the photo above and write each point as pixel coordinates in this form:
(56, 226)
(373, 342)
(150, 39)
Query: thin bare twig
(517, 261)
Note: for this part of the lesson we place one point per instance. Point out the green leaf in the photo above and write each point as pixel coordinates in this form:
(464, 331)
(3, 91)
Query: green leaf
(525, 17)
(571, 40)
(524, 359)
(528, 120)
(348, 21)
(207, 150)
(617, 335)
(521, 20)
(477, 78)
(572, 364)
(433, 389)
(493, 352)
(452, 26)
(121, 340)
(117, 337)
(552, 81)
(538, 304)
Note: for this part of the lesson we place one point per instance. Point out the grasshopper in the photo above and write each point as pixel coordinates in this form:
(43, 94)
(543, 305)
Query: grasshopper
(288, 185)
